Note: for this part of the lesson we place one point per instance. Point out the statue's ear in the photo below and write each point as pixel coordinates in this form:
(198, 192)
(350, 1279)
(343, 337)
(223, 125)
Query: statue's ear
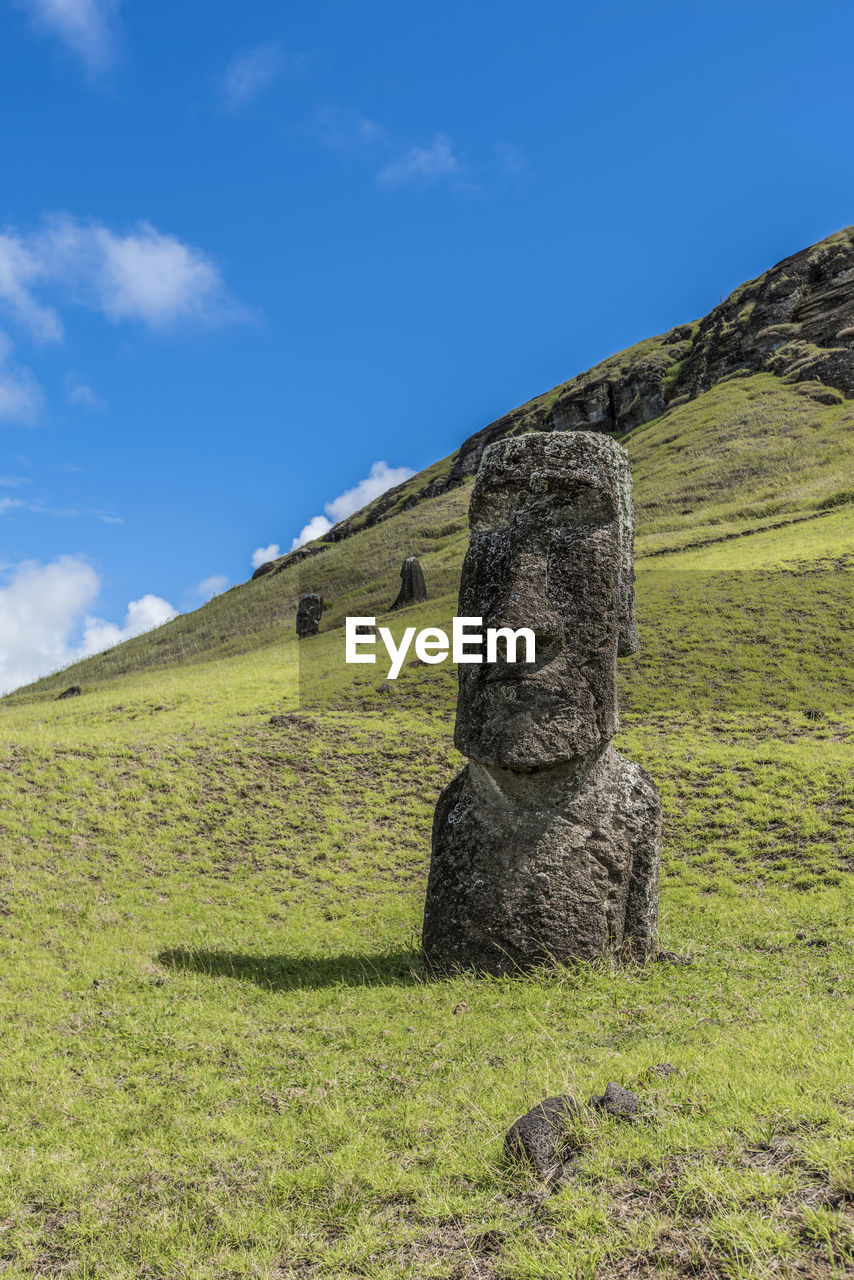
(628, 633)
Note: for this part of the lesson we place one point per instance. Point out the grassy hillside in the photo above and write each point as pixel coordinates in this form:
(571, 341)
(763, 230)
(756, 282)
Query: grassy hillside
(754, 453)
(220, 1058)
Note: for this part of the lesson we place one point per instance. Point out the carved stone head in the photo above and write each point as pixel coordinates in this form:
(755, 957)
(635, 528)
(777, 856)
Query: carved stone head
(550, 549)
(309, 611)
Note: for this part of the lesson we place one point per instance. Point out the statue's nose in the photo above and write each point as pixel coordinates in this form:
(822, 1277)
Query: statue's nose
(523, 600)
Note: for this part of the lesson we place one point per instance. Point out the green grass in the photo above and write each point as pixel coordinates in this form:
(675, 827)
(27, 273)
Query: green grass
(219, 1057)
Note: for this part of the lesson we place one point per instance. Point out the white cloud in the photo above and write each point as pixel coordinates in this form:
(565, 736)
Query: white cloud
(381, 477)
(42, 610)
(423, 166)
(142, 615)
(212, 586)
(39, 606)
(20, 395)
(142, 274)
(316, 527)
(249, 73)
(85, 26)
(262, 554)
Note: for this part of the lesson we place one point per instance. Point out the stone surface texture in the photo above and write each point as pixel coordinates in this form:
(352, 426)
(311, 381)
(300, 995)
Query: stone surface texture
(309, 610)
(535, 1137)
(546, 847)
(413, 588)
(617, 1101)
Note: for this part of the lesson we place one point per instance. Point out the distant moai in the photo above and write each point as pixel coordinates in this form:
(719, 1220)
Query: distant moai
(309, 610)
(547, 846)
(413, 588)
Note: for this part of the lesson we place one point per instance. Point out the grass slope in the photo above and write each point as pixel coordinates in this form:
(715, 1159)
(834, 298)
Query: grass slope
(219, 1057)
(753, 453)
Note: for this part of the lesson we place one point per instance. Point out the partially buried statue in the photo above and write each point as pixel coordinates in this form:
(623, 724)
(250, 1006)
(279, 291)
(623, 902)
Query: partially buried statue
(546, 847)
(413, 589)
(309, 612)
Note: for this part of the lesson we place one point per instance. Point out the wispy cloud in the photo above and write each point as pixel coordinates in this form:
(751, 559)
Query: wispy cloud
(41, 505)
(512, 163)
(20, 271)
(142, 274)
(21, 397)
(423, 166)
(81, 394)
(86, 27)
(45, 621)
(262, 554)
(212, 586)
(380, 478)
(249, 73)
(348, 131)
(399, 166)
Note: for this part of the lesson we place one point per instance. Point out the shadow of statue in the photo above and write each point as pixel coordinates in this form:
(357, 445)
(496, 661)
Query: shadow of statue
(295, 972)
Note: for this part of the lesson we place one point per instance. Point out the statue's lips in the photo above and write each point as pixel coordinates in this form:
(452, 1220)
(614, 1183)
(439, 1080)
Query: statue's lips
(548, 651)
(518, 672)
(515, 673)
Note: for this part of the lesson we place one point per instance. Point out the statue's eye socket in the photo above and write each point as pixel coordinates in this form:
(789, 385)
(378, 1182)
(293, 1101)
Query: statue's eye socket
(492, 511)
(573, 508)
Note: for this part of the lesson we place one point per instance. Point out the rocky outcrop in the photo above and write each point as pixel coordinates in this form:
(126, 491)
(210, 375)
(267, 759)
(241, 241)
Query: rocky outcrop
(263, 569)
(795, 321)
(73, 691)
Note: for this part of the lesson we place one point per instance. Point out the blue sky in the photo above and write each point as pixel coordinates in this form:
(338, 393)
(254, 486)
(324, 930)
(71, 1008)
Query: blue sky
(248, 253)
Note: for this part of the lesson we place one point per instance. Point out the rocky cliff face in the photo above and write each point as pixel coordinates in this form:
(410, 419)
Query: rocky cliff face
(615, 396)
(796, 321)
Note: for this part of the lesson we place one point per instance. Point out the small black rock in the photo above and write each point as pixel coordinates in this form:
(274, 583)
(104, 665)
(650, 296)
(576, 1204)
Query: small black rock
(535, 1135)
(618, 1101)
(672, 957)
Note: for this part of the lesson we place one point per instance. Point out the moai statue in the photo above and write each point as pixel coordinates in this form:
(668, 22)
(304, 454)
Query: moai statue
(413, 589)
(546, 847)
(309, 610)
